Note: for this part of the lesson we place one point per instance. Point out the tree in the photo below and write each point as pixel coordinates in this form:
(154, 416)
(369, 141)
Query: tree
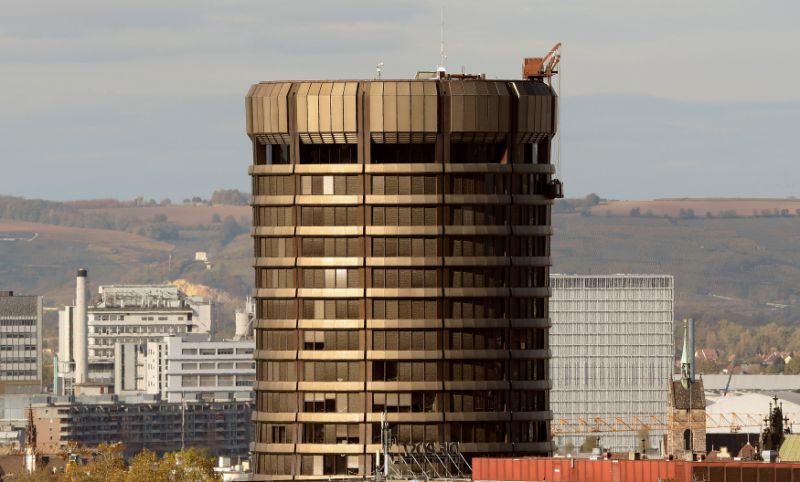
(160, 218)
(230, 196)
(215, 218)
(793, 367)
(230, 229)
(707, 367)
(589, 443)
(777, 366)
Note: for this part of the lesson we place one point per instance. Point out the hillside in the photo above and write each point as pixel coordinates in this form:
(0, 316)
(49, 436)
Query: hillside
(740, 269)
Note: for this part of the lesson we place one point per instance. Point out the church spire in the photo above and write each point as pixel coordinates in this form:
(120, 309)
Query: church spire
(686, 364)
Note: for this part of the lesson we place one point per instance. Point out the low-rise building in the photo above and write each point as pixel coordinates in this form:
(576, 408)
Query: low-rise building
(223, 428)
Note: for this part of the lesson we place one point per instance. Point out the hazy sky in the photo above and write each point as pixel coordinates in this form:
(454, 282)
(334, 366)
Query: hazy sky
(678, 98)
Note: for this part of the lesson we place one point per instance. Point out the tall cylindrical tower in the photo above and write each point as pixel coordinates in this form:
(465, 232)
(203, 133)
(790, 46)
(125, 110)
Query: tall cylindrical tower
(81, 330)
(402, 252)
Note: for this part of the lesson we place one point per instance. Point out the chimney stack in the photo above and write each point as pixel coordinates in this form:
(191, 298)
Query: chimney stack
(81, 351)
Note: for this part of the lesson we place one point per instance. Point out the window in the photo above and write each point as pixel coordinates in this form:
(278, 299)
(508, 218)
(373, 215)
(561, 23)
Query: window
(404, 402)
(393, 309)
(330, 216)
(330, 309)
(474, 246)
(328, 153)
(472, 339)
(417, 247)
(274, 216)
(331, 340)
(404, 371)
(403, 216)
(272, 154)
(476, 277)
(477, 215)
(280, 340)
(529, 215)
(276, 278)
(330, 247)
(484, 183)
(331, 278)
(403, 278)
(479, 308)
(403, 153)
(529, 246)
(403, 185)
(274, 247)
(330, 185)
(276, 309)
(478, 370)
(273, 185)
(325, 371)
(404, 340)
(277, 371)
(477, 152)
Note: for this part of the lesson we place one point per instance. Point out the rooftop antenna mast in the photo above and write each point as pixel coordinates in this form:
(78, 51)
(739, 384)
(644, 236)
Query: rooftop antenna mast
(442, 53)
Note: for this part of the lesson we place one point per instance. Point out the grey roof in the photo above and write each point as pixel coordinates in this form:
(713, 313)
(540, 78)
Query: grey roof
(752, 382)
(18, 306)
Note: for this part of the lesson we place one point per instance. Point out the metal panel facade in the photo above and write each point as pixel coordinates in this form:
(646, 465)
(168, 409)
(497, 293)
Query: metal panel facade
(413, 284)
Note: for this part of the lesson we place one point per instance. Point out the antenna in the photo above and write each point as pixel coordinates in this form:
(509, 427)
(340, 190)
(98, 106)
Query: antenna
(442, 54)
(379, 69)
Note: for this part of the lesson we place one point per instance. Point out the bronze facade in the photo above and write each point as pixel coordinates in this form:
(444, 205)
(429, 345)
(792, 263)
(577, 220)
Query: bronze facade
(402, 253)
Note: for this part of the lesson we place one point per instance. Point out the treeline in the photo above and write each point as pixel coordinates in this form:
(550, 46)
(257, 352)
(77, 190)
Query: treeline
(581, 205)
(109, 465)
(61, 214)
(159, 227)
(722, 214)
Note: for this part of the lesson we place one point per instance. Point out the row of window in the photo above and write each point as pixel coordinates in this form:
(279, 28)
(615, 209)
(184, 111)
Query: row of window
(402, 246)
(17, 347)
(217, 380)
(402, 402)
(461, 215)
(402, 153)
(483, 183)
(218, 366)
(29, 322)
(216, 351)
(515, 277)
(452, 339)
(398, 371)
(464, 432)
(393, 309)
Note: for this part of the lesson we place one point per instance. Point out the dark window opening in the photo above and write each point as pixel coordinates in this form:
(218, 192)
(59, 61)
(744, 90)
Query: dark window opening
(403, 153)
(530, 153)
(477, 152)
(328, 153)
(275, 154)
(687, 439)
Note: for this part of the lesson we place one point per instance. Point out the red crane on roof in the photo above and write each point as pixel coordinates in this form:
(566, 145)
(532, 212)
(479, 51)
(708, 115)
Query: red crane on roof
(542, 67)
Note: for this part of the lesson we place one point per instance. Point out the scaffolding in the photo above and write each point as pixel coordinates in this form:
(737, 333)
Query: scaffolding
(612, 354)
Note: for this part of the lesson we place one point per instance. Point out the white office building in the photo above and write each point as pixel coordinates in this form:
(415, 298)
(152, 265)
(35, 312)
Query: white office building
(193, 367)
(612, 355)
(129, 316)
